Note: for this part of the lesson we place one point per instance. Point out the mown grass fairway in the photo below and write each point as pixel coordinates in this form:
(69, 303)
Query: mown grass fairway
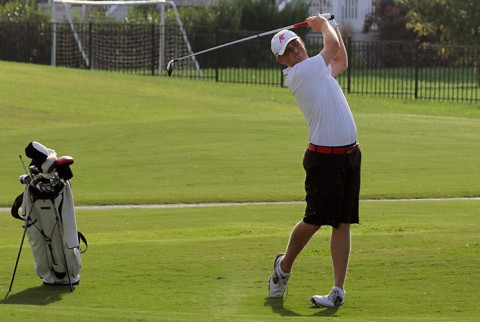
(160, 140)
(415, 260)
(140, 140)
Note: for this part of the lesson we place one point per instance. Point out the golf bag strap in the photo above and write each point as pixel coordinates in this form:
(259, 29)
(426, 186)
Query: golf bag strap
(84, 240)
(16, 205)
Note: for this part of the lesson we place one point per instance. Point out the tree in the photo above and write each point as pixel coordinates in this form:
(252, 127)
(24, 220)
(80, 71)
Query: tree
(18, 10)
(231, 20)
(24, 32)
(390, 18)
(246, 15)
(261, 15)
(450, 21)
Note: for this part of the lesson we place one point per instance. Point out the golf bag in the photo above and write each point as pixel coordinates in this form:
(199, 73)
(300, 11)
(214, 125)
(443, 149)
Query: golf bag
(47, 209)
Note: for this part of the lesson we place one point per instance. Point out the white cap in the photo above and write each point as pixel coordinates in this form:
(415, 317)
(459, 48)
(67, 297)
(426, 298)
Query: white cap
(281, 40)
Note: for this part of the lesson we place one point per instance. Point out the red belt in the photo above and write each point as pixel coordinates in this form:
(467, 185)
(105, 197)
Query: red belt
(331, 150)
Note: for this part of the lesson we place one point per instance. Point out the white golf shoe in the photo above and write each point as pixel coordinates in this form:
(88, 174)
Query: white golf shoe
(334, 299)
(277, 284)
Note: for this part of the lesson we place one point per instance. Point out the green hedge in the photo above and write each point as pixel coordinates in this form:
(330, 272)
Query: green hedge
(25, 33)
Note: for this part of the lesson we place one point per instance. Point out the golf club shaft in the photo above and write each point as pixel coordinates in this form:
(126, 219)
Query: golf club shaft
(294, 26)
(60, 233)
(21, 243)
(19, 251)
(16, 262)
(23, 164)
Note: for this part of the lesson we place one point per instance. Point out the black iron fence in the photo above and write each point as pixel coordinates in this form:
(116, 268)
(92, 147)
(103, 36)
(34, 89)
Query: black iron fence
(25, 42)
(398, 69)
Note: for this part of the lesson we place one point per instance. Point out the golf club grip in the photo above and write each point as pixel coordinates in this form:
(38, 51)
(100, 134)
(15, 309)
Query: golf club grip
(300, 24)
(304, 23)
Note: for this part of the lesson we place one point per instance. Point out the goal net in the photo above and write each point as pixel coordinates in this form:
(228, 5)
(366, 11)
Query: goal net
(138, 36)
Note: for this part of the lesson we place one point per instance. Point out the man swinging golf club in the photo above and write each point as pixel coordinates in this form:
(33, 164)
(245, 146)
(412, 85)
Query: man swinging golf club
(332, 160)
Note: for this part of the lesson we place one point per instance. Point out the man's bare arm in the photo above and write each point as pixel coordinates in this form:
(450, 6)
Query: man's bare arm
(340, 61)
(331, 44)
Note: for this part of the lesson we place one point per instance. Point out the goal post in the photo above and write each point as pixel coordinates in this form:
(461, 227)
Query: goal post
(112, 42)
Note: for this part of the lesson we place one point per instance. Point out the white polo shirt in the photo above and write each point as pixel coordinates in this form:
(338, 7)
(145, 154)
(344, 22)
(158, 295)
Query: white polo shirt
(322, 101)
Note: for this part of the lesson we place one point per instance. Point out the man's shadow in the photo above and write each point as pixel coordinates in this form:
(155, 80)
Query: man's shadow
(276, 303)
(38, 295)
(277, 306)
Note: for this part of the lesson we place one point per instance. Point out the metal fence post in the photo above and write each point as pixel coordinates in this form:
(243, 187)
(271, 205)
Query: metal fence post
(217, 57)
(152, 33)
(417, 68)
(282, 79)
(349, 69)
(90, 42)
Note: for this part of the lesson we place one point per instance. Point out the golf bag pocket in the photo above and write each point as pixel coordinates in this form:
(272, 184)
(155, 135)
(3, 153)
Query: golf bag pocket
(53, 238)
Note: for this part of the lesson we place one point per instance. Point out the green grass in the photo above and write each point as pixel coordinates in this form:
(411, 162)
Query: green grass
(158, 140)
(161, 140)
(433, 83)
(439, 83)
(414, 260)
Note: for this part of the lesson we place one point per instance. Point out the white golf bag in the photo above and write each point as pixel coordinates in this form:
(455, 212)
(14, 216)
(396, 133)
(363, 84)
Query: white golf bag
(49, 214)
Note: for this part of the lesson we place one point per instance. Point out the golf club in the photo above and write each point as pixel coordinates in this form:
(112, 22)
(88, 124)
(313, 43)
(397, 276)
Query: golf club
(23, 238)
(294, 26)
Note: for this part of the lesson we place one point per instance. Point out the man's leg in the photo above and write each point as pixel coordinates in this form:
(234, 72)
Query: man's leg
(299, 238)
(301, 234)
(340, 252)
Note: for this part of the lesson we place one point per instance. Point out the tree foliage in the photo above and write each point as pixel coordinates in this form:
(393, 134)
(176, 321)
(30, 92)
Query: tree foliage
(390, 18)
(251, 15)
(451, 21)
(18, 10)
(225, 15)
(231, 20)
(25, 34)
(260, 15)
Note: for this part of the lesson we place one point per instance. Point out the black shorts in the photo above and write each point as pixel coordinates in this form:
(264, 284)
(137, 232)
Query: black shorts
(332, 187)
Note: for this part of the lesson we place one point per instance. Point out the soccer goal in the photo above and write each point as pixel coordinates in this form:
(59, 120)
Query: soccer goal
(138, 36)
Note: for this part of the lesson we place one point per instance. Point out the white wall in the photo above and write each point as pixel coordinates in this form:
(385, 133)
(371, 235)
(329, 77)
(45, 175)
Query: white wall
(194, 2)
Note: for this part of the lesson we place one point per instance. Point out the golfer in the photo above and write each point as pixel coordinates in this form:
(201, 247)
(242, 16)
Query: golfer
(332, 160)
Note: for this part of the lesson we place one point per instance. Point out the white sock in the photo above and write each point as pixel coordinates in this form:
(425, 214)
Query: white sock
(342, 291)
(280, 272)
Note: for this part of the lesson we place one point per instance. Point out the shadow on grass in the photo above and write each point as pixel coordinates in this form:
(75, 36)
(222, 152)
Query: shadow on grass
(39, 295)
(327, 311)
(276, 303)
(277, 306)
